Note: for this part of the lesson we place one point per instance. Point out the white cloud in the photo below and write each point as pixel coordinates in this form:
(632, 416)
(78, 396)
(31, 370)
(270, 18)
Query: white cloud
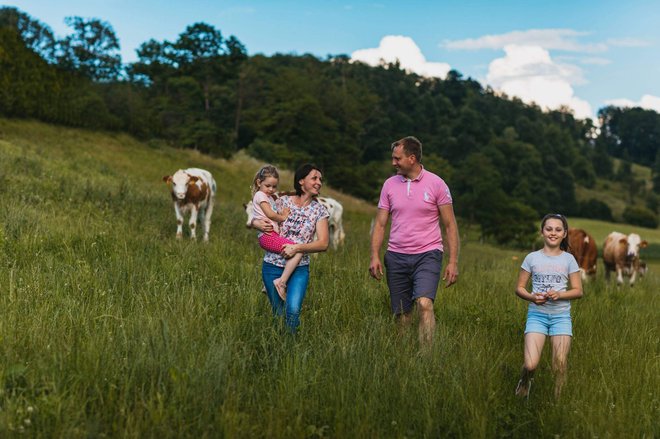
(554, 39)
(529, 73)
(648, 102)
(526, 71)
(628, 42)
(588, 60)
(403, 49)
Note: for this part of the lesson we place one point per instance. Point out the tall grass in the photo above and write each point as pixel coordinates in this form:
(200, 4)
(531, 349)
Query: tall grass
(111, 328)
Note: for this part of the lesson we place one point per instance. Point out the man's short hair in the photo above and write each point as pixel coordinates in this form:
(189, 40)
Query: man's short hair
(411, 146)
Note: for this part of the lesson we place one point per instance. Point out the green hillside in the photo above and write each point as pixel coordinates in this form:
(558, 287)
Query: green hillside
(615, 193)
(112, 328)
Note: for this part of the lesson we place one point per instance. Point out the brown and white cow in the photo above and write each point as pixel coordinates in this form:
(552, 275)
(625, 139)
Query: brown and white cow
(335, 224)
(621, 254)
(193, 190)
(583, 247)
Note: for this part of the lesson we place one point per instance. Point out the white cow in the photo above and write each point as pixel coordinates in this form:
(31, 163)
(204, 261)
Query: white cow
(193, 190)
(249, 211)
(335, 225)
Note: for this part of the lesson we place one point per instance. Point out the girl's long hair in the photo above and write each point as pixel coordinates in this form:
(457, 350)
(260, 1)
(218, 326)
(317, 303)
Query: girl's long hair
(564, 242)
(261, 175)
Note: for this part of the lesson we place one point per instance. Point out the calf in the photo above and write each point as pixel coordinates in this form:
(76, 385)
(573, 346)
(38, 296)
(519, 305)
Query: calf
(583, 247)
(621, 254)
(193, 190)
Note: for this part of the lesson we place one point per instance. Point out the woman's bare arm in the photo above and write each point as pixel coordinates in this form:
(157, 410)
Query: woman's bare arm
(316, 246)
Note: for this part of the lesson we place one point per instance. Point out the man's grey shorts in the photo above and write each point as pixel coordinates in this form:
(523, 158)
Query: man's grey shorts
(410, 277)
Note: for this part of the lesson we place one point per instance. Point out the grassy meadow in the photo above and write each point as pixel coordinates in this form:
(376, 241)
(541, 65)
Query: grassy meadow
(111, 328)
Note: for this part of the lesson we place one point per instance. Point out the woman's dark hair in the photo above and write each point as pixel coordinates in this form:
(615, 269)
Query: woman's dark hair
(564, 242)
(301, 173)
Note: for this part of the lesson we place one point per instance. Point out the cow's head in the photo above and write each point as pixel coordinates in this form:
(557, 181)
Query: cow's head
(633, 246)
(180, 182)
(249, 211)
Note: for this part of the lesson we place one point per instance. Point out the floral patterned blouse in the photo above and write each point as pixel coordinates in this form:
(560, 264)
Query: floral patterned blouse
(299, 226)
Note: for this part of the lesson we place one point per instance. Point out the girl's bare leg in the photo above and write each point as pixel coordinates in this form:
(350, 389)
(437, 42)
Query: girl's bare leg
(534, 342)
(561, 345)
(289, 267)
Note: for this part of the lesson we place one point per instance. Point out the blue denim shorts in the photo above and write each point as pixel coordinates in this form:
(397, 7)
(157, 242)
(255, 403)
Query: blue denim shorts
(549, 324)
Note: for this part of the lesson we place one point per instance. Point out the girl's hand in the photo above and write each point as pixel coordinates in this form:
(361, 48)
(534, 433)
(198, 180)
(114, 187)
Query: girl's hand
(285, 212)
(554, 295)
(289, 250)
(539, 298)
(262, 225)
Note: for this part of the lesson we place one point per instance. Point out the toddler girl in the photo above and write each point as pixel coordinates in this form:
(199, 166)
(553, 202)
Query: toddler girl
(264, 187)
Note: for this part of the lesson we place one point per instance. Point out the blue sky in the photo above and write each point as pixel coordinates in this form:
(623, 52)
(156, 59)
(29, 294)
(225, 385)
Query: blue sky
(583, 54)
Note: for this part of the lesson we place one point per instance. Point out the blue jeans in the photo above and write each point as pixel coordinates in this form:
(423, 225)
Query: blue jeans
(295, 292)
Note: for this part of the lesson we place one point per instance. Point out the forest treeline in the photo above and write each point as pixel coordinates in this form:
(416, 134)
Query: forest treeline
(507, 162)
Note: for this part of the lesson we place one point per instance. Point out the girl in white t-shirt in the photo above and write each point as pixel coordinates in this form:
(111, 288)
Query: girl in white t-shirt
(264, 187)
(551, 270)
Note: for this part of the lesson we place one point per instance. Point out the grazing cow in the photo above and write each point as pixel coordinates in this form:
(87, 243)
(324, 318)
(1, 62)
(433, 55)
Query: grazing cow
(583, 247)
(621, 254)
(335, 225)
(193, 190)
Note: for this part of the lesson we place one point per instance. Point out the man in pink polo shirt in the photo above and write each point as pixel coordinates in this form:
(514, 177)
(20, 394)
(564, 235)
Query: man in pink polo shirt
(417, 200)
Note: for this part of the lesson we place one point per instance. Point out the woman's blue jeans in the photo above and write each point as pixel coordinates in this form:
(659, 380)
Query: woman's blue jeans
(295, 292)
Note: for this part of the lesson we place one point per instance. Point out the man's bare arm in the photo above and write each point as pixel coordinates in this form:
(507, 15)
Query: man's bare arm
(451, 242)
(377, 237)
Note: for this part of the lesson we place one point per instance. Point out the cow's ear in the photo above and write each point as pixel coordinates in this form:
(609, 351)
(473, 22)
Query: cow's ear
(193, 179)
(623, 241)
(167, 179)
(643, 244)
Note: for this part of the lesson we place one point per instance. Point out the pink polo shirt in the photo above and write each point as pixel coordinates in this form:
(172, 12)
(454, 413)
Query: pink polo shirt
(414, 206)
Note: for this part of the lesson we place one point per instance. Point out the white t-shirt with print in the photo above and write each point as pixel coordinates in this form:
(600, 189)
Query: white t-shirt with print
(299, 226)
(550, 273)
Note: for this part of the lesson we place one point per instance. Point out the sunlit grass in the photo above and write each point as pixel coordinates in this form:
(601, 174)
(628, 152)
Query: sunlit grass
(110, 327)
